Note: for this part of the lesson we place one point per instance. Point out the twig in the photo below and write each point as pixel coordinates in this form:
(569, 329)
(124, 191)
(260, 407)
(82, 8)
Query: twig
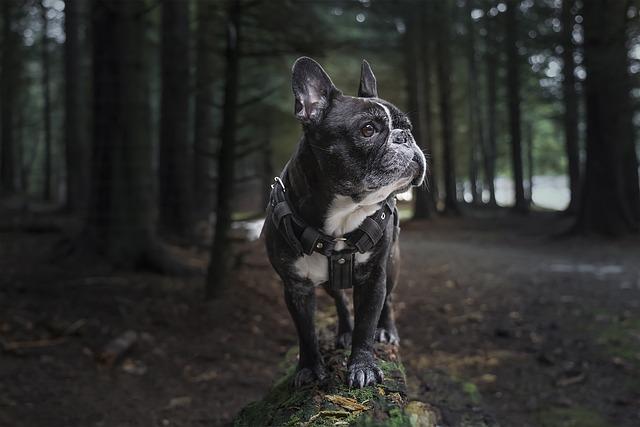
(23, 345)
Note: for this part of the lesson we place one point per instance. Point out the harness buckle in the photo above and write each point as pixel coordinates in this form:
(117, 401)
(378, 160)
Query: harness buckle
(278, 181)
(339, 239)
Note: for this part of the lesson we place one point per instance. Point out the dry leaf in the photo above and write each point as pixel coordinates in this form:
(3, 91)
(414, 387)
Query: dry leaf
(346, 402)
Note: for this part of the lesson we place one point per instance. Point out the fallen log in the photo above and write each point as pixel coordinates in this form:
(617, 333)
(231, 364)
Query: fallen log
(333, 403)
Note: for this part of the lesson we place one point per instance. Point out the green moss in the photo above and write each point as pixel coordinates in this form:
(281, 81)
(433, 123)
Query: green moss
(310, 407)
(620, 339)
(472, 391)
(572, 417)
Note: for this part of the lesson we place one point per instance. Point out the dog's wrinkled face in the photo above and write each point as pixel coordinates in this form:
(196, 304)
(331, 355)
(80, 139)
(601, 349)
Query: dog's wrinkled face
(363, 144)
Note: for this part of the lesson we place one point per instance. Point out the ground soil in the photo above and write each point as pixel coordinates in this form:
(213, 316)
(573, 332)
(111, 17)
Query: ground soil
(537, 329)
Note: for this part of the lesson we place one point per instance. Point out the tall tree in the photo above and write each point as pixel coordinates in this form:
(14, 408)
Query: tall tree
(611, 197)
(513, 100)
(175, 172)
(426, 197)
(415, 93)
(10, 64)
(120, 220)
(220, 263)
(476, 122)
(570, 101)
(76, 152)
(492, 62)
(442, 9)
(46, 104)
(204, 107)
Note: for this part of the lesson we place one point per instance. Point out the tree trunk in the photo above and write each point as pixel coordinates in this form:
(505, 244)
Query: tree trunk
(427, 196)
(46, 111)
(529, 143)
(443, 54)
(204, 109)
(76, 156)
(611, 198)
(570, 100)
(513, 90)
(121, 219)
(490, 152)
(220, 263)
(476, 125)
(175, 173)
(10, 56)
(415, 90)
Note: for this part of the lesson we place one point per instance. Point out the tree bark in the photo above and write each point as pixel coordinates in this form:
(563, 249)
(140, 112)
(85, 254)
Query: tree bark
(10, 55)
(530, 137)
(443, 55)
(121, 222)
(76, 153)
(415, 90)
(570, 101)
(513, 94)
(611, 197)
(220, 263)
(426, 196)
(490, 152)
(46, 111)
(204, 109)
(476, 125)
(175, 173)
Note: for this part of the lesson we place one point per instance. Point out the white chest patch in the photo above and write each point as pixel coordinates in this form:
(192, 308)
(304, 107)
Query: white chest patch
(343, 217)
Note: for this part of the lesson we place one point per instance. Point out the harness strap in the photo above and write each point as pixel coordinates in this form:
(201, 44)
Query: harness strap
(309, 239)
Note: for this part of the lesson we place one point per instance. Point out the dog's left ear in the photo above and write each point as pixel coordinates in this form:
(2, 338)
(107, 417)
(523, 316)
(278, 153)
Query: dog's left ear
(368, 86)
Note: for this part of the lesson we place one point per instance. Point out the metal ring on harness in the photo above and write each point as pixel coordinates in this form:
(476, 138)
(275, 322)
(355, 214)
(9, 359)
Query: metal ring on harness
(278, 181)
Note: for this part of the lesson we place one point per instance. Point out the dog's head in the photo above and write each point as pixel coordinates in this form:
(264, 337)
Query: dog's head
(363, 144)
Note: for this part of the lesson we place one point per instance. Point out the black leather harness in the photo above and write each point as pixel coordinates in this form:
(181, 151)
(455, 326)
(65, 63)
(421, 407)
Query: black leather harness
(306, 240)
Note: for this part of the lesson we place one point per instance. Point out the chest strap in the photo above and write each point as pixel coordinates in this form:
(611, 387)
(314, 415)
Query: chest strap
(306, 240)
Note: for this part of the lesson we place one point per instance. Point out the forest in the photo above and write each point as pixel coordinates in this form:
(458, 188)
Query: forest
(138, 143)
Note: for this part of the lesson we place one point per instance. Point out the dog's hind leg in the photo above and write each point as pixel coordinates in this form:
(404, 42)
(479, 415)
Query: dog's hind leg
(387, 331)
(345, 323)
(301, 302)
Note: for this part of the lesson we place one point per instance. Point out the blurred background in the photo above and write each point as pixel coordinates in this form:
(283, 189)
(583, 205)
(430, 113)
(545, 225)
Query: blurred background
(138, 140)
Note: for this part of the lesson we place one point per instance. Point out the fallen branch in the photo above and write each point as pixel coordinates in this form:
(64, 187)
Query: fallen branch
(25, 345)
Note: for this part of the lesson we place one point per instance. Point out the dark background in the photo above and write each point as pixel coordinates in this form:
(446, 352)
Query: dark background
(139, 137)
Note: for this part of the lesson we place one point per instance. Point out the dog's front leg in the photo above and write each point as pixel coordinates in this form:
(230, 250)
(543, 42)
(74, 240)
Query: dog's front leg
(301, 302)
(368, 300)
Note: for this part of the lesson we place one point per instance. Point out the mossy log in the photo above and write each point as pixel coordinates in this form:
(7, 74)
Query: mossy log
(332, 402)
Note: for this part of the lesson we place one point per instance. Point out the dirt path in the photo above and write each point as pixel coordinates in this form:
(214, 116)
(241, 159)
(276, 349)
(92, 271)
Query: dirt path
(538, 331)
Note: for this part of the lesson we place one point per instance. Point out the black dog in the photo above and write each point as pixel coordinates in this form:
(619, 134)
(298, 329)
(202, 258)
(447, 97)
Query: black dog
(332, 219)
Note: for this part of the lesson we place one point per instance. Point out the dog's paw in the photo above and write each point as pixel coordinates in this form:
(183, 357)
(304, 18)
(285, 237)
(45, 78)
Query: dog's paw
(387, 336)
(343, 340)
(308, 375)
(364, 372)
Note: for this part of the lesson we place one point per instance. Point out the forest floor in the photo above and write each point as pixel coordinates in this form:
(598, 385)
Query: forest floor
(537, 330)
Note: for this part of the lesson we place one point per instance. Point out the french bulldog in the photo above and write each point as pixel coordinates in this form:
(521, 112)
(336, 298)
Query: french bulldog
(355, 153)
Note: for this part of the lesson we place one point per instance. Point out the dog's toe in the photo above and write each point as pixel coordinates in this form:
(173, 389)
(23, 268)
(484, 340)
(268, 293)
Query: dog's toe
(343, 340)
(387, 336)
(306, 376)
(364, 374)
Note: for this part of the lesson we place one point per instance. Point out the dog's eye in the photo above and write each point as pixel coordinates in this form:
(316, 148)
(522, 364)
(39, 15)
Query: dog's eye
(368, 130)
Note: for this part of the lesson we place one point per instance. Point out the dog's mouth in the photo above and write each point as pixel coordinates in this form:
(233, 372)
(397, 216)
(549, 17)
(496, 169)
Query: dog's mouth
(421, 167)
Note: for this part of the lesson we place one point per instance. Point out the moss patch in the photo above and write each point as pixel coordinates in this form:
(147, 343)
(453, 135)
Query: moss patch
(571, 417)
(621, 338)
(309, 406)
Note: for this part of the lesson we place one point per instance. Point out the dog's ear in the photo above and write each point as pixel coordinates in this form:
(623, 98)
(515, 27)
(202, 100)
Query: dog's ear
(312, 89)
(368, 86)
